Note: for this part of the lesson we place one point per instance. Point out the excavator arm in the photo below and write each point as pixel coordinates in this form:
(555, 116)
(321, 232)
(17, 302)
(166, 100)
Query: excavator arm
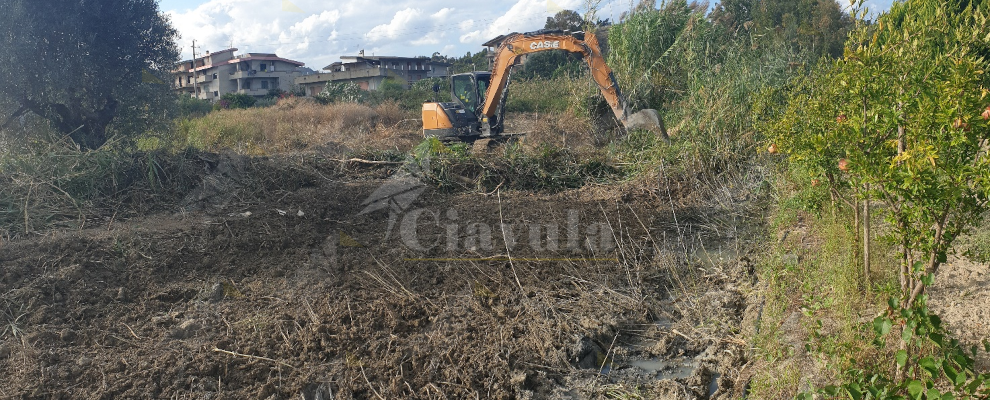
(518, 44)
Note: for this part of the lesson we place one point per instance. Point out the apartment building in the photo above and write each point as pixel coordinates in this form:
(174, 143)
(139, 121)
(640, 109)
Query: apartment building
(369, 72)
(211, 76)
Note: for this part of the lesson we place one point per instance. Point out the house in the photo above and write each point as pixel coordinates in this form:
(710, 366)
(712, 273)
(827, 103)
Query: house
(369, 72)
(215, 74)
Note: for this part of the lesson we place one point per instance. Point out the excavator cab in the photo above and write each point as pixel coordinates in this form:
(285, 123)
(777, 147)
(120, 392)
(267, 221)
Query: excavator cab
(461, 119)
(469, 89)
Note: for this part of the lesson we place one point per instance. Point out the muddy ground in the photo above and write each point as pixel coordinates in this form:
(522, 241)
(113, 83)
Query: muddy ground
(306, 289)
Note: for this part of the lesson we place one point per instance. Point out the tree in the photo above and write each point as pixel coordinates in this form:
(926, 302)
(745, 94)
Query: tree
(567, 20)
(470, 62)
(907, 111)
(98, 68)
(818, 25)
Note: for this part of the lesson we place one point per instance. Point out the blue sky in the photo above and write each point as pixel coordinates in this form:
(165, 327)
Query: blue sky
(318, 32)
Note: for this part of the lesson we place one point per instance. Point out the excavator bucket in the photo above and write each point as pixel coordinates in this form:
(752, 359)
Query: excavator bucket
(648, 119)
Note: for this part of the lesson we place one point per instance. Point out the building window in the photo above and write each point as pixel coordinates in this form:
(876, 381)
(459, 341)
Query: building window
(214, 76)
(264, 67)
(247, 85)
(216, 93)
(264, 84)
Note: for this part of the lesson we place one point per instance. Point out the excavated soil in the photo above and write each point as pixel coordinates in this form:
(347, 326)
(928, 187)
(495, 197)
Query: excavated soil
(304, 291)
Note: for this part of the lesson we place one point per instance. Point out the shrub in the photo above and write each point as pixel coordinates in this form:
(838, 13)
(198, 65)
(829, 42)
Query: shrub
(191, 107)
(340, 92)
(234, 101)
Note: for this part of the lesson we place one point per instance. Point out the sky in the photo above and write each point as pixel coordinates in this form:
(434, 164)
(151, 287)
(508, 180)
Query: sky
(318, 32)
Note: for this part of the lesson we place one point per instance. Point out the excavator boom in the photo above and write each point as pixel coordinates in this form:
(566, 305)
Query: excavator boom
(477, 109)
(518, 44)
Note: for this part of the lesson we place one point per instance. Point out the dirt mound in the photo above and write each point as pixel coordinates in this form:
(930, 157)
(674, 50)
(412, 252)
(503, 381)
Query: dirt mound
(310, 282)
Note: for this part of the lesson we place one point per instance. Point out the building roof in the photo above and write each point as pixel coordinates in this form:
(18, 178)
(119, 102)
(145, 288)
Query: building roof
(494, 42)
(377, 59)
(265, 57)
(208, 54)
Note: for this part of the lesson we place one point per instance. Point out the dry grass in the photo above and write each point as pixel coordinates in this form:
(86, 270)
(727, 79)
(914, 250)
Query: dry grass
(559, 129)
(300, 124)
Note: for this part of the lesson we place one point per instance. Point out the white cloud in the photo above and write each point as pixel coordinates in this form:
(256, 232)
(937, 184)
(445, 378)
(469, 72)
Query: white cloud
(442, 14)
(311, 23)
(403, 22)
(471, 37)
(343, 27)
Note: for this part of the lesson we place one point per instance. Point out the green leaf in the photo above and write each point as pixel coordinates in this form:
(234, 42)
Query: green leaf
(882, 326)
(950, 372)
(901, 358)
(907, 333)
(854, 391)
(960, 379)
(937, 338)
(975, 384)
(933, 394)
(930, 365)
(915, 389)
(948, 396)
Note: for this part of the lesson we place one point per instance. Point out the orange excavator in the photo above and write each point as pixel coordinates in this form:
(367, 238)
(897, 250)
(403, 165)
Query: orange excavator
(478, 109)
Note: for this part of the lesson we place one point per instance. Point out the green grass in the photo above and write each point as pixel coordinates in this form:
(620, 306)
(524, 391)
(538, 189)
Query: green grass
(812, 270)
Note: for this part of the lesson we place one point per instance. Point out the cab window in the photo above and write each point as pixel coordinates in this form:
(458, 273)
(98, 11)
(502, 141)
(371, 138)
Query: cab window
(465, 91)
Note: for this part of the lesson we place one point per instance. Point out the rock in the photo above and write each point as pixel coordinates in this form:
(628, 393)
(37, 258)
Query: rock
(790, 260)
(67, 336)
(213, 294)
(6, 349)
(84, 361)
(317, 392)
(121, 295)
(187, 329)
(585, 354)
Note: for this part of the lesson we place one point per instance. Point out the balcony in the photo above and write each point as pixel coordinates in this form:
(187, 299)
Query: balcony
(244, 74)
(253, 92)
(341, 75)
(204, 78)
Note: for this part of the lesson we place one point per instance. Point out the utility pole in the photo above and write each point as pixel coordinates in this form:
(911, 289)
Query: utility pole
(195, 85)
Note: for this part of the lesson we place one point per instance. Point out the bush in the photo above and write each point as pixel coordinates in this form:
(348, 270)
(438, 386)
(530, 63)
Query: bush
(234, 101)
(340, 92)
(191, 107)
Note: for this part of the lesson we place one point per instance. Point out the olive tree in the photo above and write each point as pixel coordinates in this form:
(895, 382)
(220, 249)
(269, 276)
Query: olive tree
(92, 69)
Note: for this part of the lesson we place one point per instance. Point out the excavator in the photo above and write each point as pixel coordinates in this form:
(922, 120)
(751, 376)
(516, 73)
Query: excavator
(478, 108)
